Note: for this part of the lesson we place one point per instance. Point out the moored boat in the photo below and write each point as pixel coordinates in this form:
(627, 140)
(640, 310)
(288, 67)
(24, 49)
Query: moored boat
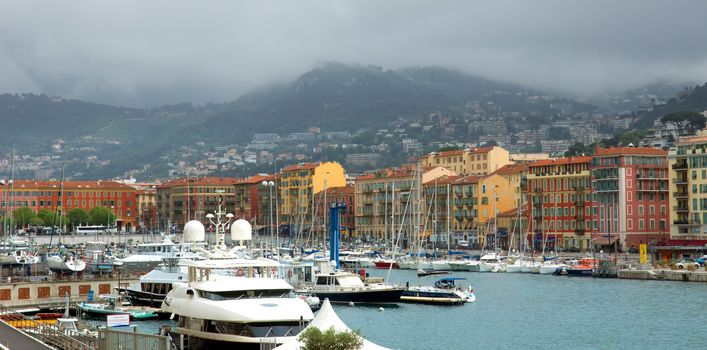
(585, 268)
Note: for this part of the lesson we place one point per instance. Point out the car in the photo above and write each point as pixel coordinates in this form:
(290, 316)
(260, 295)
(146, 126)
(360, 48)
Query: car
(685, 263)
(463, 243)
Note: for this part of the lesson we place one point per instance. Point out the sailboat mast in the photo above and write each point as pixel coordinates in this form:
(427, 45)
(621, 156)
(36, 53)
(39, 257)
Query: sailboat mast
(12, 189)
(385, 218)
(448, 189)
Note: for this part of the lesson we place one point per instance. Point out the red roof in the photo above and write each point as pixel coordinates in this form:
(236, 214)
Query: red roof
(469, 179)
(200, 181)
(301, 166)
(561, 161)
(510, 169)
(684, 243)
(256, 179)
(337, 191)
(20, 184)
(630, 150)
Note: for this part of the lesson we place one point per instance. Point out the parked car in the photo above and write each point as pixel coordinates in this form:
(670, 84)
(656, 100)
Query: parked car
(685, 263)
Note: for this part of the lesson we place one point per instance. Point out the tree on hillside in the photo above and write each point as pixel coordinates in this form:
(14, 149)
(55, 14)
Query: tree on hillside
(449, 148)
(23, 215)
(579, 149)
(559, 133)
(685, 122)
(314, 339)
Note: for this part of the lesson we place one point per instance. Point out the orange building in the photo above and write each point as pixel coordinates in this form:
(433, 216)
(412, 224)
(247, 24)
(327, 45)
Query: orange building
(62, 197)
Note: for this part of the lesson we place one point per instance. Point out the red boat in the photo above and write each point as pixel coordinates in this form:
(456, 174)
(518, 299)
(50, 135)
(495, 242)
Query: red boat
(49, 315)
(386, 264)
(584, 269)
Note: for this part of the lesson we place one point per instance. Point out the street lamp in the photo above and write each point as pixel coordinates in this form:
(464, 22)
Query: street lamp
(220, 225)
(270, 185)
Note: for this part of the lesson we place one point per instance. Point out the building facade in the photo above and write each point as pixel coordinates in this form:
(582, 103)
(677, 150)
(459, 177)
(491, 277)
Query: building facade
(688, 188)
(62, 197)
(299, 189)
(631, 195)
(182, 200)
(470, 161)
(560, 203)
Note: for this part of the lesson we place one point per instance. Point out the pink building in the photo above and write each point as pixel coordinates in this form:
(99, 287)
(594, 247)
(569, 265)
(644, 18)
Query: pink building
(630, 195)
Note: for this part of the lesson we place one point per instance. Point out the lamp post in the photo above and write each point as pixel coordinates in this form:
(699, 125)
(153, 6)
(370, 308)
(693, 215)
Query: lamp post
(270, 185)
(220, 225)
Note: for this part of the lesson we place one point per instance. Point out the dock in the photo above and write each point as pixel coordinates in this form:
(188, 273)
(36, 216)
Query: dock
(664, 275)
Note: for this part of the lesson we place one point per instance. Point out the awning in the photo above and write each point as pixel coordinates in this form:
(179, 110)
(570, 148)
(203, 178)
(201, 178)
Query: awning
(604, 240)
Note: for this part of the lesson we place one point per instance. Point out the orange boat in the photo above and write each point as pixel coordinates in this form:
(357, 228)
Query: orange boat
(585, 268)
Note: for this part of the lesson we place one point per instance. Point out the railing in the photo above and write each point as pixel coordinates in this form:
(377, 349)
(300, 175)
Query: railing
(49, 334)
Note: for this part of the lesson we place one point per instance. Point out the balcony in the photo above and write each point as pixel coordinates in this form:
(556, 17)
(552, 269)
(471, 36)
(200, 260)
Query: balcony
(579, 232)
(680, 222)
(680, 180)
(680, 208)
(680, 194)
(680, 166)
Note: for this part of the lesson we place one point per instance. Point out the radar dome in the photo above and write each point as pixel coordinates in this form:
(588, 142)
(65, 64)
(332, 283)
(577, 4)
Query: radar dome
(241, 230)
(194, 231)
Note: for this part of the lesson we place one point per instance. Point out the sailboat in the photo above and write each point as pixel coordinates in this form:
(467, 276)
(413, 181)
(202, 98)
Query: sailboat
(64, 262)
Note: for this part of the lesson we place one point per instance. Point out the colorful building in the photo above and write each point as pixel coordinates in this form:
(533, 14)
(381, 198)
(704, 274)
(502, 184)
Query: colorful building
(464, 194)
(560, 200)
(470, 161)
(631, 195)
(61, 197)
(300, 186)
(688, 189)
(254, 201)
(182, 200)
(345, 195)
(386, 201)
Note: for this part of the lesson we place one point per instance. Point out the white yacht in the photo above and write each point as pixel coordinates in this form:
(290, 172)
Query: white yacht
(491, 263)
(241, 311)
(65, 263)
(346, 287)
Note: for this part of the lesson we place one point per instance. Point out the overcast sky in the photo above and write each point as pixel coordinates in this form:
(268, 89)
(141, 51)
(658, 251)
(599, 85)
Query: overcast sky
(146, 53)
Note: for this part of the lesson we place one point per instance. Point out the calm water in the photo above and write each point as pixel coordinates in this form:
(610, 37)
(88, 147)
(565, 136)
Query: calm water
(523, 311)
(520, 311)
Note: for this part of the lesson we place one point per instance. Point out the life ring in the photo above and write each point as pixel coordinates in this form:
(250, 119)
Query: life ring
(240, 272)
(289, 273)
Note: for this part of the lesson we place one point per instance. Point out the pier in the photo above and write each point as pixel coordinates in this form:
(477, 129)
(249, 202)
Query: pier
(664, 275)
(46, 294)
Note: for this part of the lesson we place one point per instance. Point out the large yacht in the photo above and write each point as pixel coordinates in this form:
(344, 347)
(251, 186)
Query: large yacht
(246, 310)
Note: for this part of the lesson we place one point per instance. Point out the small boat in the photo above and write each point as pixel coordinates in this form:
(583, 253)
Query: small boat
(444, 292)
(100, 310)
(585, 268)
(345, 287)
(386, 264)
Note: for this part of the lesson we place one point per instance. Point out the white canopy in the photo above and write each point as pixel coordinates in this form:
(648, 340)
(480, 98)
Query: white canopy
(326, 318)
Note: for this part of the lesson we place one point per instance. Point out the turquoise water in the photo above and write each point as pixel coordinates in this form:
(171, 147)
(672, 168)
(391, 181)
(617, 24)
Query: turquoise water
(523, 311)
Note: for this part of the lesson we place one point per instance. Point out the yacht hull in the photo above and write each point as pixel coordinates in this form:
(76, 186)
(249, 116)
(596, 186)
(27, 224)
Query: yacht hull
(365, 296)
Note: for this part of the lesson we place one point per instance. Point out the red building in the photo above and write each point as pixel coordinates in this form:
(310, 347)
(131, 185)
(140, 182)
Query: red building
(57, 197)
(630, 190)
(253, 200)
(344, 194)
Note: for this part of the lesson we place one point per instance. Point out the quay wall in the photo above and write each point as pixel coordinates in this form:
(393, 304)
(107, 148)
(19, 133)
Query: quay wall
(664, 275)
(52, 293)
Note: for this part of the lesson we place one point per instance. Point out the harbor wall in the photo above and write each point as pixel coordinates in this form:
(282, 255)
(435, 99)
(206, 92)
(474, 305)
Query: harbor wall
(664, 275)
(50, 294)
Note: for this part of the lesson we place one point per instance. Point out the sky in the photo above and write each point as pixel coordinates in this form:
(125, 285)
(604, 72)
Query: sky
(148, 53)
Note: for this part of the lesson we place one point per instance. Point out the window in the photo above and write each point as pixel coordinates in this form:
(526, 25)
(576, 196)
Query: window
(640, 210)
(629, 196)
(630, 224)
(640, 224)
(629, 210)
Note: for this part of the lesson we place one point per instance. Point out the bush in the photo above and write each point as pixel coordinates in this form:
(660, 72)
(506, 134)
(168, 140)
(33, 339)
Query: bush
(314, 339)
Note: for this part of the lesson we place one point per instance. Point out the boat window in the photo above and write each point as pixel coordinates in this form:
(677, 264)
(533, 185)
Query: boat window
(244, 294)
(322, 280)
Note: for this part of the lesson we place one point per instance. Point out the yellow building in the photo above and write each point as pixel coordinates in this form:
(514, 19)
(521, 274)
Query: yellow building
(470, 161)
(476, 198)
(299, 187)
(688, 189)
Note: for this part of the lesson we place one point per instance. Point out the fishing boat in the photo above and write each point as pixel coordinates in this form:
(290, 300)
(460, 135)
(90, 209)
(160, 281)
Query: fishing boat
(585, 268)
(110, 307)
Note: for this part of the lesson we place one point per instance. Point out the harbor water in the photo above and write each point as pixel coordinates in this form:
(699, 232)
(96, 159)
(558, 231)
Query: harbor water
(524, 311)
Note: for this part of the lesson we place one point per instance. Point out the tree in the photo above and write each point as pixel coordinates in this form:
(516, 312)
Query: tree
(77, 216)
(35, 221)
(314, 339)
(101, 216)
(47, 217)
(23, 215)
(559, 133)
